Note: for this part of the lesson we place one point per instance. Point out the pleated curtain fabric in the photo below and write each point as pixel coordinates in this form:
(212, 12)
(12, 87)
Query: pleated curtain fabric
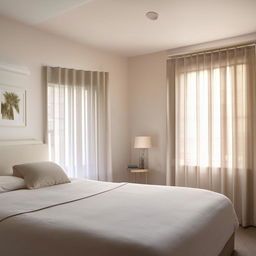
(78, 122)
(212, 125)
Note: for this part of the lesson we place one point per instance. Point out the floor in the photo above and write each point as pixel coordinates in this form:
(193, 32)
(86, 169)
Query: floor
(245, 242)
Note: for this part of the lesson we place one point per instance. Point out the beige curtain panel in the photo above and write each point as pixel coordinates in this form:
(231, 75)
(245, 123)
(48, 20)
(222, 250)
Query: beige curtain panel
(212, 125)
(78, 122)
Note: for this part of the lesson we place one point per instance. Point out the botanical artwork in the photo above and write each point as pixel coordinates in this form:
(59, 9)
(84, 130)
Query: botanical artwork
(11, 103)
(13, 106)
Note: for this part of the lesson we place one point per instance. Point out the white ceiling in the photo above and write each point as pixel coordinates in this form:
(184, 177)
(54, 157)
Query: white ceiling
(120, 26)
(37, 11)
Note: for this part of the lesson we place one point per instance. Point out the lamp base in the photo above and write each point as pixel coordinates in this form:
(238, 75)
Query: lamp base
(142, 162)
(142, 159)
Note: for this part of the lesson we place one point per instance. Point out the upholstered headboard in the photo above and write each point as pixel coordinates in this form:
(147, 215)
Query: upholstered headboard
(18, 153)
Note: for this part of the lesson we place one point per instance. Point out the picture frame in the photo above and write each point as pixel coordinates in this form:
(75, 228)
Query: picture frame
(12, 106)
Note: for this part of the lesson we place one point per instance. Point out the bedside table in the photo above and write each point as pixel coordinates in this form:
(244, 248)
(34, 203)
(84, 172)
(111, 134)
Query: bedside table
(137, 172)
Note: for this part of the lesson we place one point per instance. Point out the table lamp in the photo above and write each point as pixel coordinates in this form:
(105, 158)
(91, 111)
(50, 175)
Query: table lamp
(143, 143)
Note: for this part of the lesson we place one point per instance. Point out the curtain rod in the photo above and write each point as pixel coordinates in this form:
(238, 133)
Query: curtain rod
(212, 51)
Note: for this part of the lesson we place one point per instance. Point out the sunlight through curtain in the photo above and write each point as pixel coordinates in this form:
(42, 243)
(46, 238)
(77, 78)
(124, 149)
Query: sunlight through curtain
(78, 125)
(211, 125)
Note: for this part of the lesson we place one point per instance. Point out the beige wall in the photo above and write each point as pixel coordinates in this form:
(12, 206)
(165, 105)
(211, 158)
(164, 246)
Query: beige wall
(137, 91)
(34, 49)
(147, 109)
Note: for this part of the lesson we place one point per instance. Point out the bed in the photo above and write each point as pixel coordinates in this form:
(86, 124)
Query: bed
(95, 218)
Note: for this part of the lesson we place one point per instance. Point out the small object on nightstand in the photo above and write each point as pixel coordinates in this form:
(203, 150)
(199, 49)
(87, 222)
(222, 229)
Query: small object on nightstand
(133, 166)
(139, 171)
(143, 143)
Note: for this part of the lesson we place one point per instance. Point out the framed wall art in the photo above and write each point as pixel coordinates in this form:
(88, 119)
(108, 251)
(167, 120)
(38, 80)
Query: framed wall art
(12, 106)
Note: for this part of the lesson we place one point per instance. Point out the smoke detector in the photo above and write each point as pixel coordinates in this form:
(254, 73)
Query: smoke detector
(152, 15)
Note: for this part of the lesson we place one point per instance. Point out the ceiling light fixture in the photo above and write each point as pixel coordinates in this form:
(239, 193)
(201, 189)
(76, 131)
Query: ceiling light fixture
(152, 15)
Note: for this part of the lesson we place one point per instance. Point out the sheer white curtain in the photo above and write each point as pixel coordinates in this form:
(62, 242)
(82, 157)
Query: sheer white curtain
(78, 122)
(212, 125)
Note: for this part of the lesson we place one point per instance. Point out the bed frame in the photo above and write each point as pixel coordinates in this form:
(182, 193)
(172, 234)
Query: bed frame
(228, 249)
(18, 152)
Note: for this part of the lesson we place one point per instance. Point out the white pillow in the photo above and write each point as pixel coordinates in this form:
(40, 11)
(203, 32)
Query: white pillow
(9, 183)
(41, 174)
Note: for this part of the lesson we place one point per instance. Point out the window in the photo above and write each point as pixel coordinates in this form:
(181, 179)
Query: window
(208, 112)
(78, 122)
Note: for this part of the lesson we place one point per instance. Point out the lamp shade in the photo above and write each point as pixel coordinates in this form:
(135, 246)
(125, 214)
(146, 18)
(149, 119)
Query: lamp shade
(143, 142)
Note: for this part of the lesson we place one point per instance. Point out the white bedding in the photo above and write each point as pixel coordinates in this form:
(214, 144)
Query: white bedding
(100, 218)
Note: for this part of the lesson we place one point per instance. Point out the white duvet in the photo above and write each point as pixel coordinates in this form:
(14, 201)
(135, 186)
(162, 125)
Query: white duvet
(91, 218)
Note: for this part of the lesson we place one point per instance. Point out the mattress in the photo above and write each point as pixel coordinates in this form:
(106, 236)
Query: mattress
(101, 218)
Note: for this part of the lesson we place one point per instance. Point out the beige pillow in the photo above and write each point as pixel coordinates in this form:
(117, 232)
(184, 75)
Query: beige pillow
(9, 183)
(41, 174)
